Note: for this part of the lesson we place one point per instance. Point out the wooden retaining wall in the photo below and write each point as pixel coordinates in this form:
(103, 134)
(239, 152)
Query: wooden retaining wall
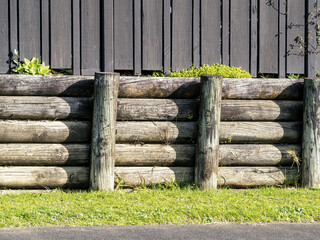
(45, 135)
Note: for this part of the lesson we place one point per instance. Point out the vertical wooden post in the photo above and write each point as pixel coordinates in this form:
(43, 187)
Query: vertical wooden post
(311, 134)
(207, 156)
(104, 131)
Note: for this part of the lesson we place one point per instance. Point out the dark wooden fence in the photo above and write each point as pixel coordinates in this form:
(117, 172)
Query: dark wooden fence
(261, 36)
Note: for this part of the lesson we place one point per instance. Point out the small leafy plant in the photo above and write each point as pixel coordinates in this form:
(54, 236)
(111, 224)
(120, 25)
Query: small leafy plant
(33, 66)
(214, 69)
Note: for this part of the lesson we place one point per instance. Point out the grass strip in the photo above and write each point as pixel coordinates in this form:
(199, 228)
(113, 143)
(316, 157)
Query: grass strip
(159, 205)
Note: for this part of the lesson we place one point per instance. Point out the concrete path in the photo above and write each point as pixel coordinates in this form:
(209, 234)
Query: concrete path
(157, 232)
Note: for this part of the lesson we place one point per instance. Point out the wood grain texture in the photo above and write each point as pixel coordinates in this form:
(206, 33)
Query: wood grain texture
(260, 132)
(256, 176)
(311, 138)
(166, 36)
(155, 155)
(44, 177)
(225, 32)
(254, 38)
(282, 35)
(137, 35)
(134, 176)
(44, 154)
(311, 38)
(45, 108)
(4, 35)
(231, 176)
(108, 34)
(207, 154)
(104, 131)
(152, 40)
(258, 154)
(123, 35)
(156, 132)
(13, 131)
(76, 37)
(45, 32)
(147, 87)
(210, 32)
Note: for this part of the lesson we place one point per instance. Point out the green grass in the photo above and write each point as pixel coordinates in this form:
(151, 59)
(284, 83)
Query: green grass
(174, 205)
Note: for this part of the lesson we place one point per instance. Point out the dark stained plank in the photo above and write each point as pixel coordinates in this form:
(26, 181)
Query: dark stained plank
(123, 34)
(239, 34)
(268, 36)
(166, 36)
(4, 36)
(45, 32)
(76, 36)
(13, 5)
(152, 35)
(29, 28)
(210, 32)
(90, 36)
(254, 39)
(60, 13)
(137, 37)
(295, 32)
(108, 63)
(225, 32)
(196, 33)
(181, 34)
(282, 38)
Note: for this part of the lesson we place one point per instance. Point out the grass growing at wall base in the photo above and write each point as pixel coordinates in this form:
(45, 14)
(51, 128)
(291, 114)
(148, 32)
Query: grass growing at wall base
(177, 205)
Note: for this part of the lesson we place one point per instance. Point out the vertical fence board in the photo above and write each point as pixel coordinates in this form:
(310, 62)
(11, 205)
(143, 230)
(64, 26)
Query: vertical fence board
(60, 13)
(226, 32)
(239, 34)
(123, 34)
(45, 32)
(137, 37)
(76, 36)
(152, 35)
(311, 38)
(196, 33)
(210, 31)
(4, 36)
(90, 36)
(295, 36)
(13, 5)
(166, 36)
(181, 34)
(254, 38)
(108, 63)
(29, 28)
(268, 40)
(282, 38)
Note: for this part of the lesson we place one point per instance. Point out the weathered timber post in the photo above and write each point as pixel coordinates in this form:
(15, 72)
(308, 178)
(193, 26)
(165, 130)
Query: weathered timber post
(104, 131)
(311, 134)
(207, 155)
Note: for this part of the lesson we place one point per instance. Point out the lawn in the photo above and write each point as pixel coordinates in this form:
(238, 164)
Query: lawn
(160, 205)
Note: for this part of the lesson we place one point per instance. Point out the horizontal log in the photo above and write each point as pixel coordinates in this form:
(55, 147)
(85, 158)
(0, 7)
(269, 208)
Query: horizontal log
(44, 177)
(259, 154)
(156, 132)
(256, 176)
(45, 108)
(157, 109)
(147, 109)
(147, 87)
(44, 154)
(13, 131)
(55, 85)
(155, 155)
(261, 110)
(231, 176)
(260, 132)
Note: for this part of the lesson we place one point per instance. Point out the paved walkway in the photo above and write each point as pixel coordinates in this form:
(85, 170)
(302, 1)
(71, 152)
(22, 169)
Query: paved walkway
(157, 232)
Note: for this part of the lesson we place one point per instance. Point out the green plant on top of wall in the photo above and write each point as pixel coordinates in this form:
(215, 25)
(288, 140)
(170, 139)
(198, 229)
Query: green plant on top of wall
(214, 69)
(32, 67)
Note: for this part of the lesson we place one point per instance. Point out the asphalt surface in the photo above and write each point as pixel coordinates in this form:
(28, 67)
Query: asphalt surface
(157, 232)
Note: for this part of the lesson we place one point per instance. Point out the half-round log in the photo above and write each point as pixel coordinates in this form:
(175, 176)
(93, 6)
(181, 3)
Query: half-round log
(12, 131)
(44, 154)
(44, 177)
